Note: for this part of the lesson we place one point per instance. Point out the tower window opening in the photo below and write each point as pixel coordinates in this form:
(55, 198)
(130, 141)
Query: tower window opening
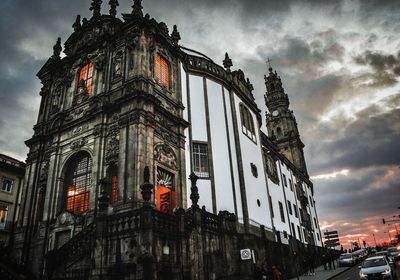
(279, 131)
(162, 70)
(86, 75)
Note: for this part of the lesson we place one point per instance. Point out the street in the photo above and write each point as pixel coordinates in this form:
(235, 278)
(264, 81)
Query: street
(352, 274)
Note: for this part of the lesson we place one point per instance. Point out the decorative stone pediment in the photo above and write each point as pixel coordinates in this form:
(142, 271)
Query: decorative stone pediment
(165, 155)
(64, 219)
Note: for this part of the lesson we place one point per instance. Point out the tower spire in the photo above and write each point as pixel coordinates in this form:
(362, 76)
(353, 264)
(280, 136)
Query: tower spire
(137, 8)
(96, 8)
(269, 64)
(113, 7)
(281, 122)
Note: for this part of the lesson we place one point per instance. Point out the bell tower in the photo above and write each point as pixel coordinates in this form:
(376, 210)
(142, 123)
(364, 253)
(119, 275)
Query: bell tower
(281, 122)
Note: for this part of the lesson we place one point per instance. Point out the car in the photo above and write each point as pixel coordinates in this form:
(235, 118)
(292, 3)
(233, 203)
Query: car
(346, 259)
(385, 254)
(393, 253)
(375, 268)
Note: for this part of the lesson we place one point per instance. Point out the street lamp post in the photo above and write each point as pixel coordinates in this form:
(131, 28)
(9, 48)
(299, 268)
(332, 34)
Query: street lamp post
(374, 239)
(390, 237)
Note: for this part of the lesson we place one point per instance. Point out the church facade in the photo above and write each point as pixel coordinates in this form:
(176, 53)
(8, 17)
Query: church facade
(147, 161)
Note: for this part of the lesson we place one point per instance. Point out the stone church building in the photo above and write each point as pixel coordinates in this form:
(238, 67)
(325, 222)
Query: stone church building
(147, 162)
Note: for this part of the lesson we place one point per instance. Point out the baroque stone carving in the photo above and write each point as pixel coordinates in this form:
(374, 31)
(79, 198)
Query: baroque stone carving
(44, 171)
(117, 65)
(112, 151)
(77, 144)
(165, 154)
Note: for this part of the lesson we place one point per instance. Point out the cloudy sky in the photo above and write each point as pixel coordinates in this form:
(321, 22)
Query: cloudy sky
(339, 62)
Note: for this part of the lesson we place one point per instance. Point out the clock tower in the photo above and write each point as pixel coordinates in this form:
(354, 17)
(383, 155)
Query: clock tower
(281, 122)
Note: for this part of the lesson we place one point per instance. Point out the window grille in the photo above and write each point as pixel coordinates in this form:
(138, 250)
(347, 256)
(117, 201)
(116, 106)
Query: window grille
(200, 160)
(78, 177)
(162, 70)
(86, 74)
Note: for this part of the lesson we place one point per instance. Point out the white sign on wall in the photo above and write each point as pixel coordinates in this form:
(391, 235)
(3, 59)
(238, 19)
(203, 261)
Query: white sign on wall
(245, 254)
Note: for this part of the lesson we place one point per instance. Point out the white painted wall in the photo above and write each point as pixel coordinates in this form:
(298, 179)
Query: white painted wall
(235, 168)
(276, 192)
(256, 188)
(220, 150)
(197, 108)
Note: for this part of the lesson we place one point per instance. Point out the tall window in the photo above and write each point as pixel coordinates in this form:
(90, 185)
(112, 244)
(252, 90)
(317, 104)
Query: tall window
(271, 207)
(112, 173)
(281, 211)
(299, 232)
(200, 160)
(78, 179)
(3, 216)
(293, 230)
(284, 180)
(247, 122)
(162, 70)
(7, 185)
(290, 207)
(86, 74)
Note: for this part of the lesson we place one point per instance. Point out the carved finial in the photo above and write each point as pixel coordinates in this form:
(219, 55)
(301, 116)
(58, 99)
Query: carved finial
(146, 187)
(113, 7)
(227, 62)
(194, 191)
(96, 8)
(269, 64)
(57, 48)
(137, 8)
(249, 84)
(77, 24)
(175, 35)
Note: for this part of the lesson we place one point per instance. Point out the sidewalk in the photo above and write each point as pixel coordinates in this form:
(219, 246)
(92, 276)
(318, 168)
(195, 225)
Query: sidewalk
(322, 274)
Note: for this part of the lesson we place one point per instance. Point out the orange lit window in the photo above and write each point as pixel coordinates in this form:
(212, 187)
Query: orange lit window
(86, 74)
(78, 178)
(162, 70)
(114, 189)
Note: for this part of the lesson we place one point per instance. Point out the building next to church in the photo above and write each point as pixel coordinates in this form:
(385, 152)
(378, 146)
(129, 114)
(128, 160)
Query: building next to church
(147, 162)
(11, 182)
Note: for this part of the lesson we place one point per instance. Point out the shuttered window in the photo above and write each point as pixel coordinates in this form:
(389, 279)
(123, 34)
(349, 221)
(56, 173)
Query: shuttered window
(162, 70)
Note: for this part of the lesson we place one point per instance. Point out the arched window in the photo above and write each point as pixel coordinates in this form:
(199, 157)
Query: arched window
(279, 131)
(161, 70)
(78, 178)
(247, 122)
(112, 174)
(86, 74)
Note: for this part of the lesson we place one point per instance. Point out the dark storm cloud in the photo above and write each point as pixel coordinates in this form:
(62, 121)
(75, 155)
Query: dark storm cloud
(373, 139)
(386, 67)
(360, 194)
